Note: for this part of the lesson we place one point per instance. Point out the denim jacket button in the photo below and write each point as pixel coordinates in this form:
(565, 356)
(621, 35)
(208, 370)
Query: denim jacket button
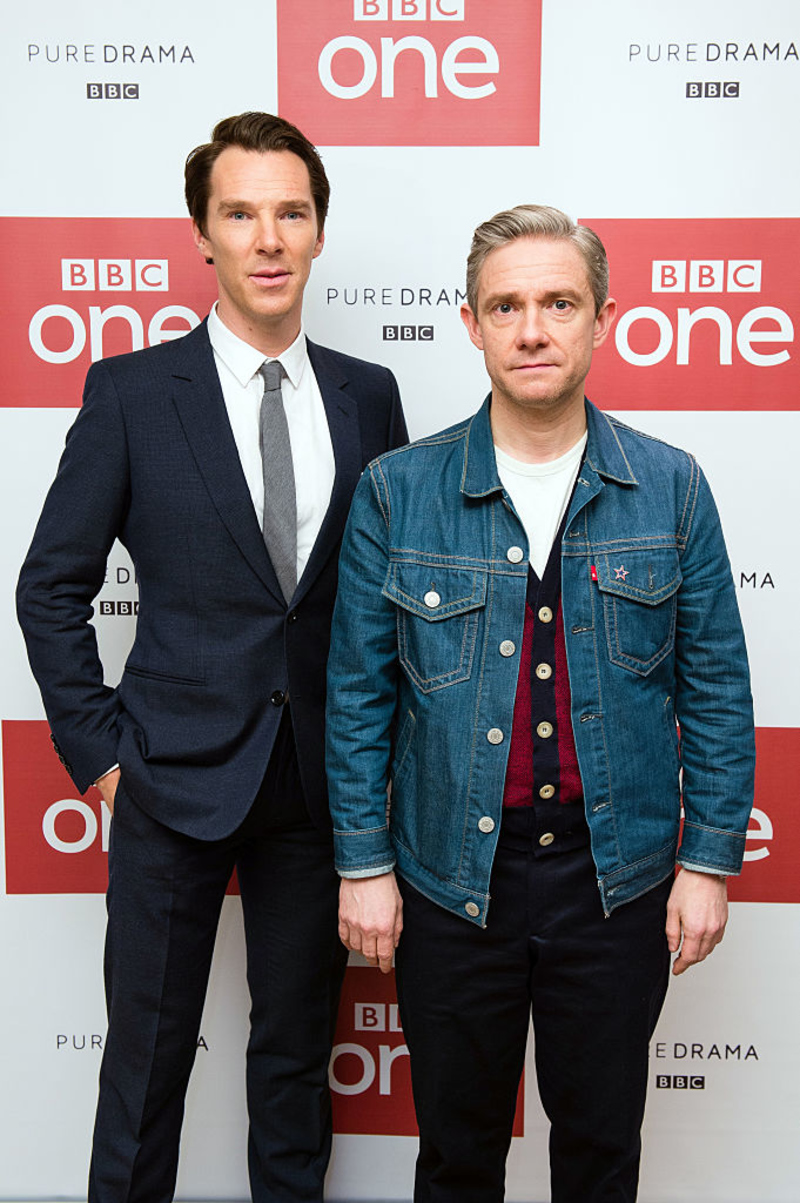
(472, 909)
(486, 824)
(514, 554)
(544, 672)
(432, 599)
(494, 735)
(544, 730)
(545, 614)
(507, 647)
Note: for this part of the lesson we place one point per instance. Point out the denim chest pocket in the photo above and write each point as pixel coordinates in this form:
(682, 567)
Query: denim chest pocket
(639, 588)
(438, 611)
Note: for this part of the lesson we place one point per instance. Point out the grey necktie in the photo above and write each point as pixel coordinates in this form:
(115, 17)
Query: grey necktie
(280, 503)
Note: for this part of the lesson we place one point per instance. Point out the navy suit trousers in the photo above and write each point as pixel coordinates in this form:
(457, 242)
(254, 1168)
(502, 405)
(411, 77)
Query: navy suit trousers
(164, 900)
(594, 987)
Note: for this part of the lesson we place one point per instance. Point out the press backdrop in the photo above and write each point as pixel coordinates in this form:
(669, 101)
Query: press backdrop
(672, 130)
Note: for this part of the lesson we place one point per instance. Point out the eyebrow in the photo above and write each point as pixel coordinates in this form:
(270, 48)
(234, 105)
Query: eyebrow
(232, 206)
(557, 294)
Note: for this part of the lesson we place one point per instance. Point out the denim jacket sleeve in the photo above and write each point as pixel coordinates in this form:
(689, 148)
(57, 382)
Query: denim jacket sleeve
(362, 687)
(713, 704)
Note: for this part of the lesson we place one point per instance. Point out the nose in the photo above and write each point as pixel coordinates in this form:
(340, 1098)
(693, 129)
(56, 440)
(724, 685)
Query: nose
(268, 236)
(532, 330)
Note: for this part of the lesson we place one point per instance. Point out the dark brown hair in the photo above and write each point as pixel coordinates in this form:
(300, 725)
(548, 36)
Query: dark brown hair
(259, 132)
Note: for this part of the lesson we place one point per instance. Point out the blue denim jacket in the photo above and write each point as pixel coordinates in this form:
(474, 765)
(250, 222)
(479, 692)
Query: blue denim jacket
(432, 580)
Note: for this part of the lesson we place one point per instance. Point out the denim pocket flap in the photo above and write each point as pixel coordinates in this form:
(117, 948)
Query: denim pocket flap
(648, 575)
(434, 593)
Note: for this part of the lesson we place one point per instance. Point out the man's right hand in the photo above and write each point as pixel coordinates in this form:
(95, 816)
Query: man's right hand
(107, 784)
(371, 917)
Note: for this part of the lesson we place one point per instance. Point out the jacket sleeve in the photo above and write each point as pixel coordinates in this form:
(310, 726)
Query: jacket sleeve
(362, 687)
(64, 571)
(713, 703)
(398, 432)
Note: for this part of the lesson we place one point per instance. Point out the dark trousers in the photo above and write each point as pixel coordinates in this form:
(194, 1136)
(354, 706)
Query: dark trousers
(164, 900)
(594, 987)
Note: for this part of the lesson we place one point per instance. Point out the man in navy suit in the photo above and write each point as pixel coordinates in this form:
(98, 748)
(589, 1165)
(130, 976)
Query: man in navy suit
(210, 750)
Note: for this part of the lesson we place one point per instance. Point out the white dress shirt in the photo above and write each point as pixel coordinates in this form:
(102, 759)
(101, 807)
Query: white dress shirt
(312, 450)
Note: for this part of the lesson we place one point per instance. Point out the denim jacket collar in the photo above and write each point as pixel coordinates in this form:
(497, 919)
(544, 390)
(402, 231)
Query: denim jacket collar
(604, 452)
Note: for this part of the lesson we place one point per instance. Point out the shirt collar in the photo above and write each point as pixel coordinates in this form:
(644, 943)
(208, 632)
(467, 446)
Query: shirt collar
(604, 452)
(244, 360)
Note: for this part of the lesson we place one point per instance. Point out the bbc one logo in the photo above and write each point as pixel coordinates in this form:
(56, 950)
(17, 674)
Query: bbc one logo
(89, 288)
(706, 315)
(411, 72)
(706, 277)
(115, 276)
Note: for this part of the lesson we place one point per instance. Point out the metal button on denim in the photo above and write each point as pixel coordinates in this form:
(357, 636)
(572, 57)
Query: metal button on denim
(546, 839)
(547, 791)
(494, 735)
(515, 554)
(545, 614)
(472, 909)
(544, 672)
(507, 647)
(544, 730)
(486, 824)
(432, 599)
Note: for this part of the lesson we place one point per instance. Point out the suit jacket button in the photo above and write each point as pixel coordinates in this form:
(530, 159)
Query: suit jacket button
(291, 616)
(277, 697)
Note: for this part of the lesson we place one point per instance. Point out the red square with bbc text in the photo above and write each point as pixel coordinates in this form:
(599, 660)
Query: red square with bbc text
(370, 1074)
(707, 311)
(411, 72)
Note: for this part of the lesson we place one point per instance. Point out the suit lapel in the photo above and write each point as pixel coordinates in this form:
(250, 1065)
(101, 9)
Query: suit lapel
(341, 411)
(197, 396)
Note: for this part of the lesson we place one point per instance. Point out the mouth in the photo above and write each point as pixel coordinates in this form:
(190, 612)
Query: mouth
(271, 277)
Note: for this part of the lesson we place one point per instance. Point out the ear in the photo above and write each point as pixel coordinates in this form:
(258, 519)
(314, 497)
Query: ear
(603, 322)
(473, 327)
(319, 244)
(201, 242)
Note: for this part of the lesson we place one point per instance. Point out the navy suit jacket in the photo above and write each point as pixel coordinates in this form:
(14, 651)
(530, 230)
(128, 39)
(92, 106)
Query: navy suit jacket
(151, 460)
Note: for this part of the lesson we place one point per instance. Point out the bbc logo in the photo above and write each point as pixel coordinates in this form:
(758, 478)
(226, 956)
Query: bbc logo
(112, 91)
(115, 275)
(706, 275)
(127, 609)
(727, 89)
(422, 334)
(680, 1082)
(409, 10)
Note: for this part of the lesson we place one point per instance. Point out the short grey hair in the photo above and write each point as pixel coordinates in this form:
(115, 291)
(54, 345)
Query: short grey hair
(537, 221)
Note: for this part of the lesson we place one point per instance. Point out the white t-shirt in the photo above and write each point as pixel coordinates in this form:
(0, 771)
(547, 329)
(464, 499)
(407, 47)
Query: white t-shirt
(540, 493)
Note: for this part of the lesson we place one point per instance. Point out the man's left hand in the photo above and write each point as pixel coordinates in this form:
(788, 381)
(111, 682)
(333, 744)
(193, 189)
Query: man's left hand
(697, 912)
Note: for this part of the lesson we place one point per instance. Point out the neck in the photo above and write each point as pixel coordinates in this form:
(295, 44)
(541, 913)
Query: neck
(271, 340)
(536, 437)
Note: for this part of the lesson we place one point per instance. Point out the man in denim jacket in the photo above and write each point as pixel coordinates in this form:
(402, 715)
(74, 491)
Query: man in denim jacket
(529, 604)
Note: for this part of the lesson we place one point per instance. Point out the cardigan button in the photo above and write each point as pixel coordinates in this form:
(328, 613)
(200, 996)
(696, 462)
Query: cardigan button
(544, 672)
(545, 614)
(544, 730)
